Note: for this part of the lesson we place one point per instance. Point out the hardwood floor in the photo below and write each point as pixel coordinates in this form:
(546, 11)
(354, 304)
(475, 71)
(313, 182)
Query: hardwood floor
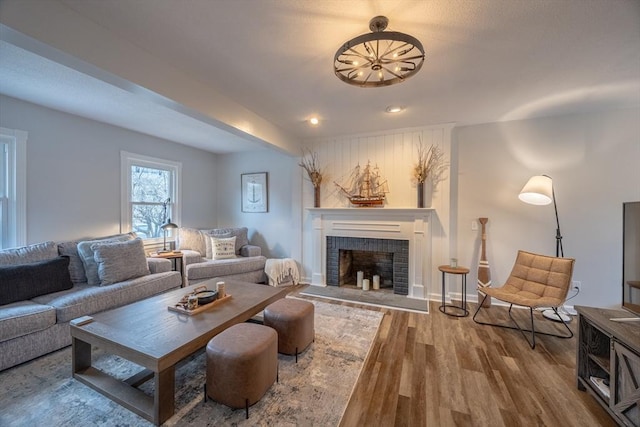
(437, 370)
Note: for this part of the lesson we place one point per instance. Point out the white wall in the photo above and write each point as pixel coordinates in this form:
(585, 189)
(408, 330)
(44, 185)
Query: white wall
(278, 230)
(594, 160)
(73, 186)
(73, 173)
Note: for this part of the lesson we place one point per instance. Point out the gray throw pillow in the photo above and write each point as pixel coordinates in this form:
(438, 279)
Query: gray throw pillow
(76, 269)
(31, 253)
(191, 239)
(120, 261)
(86, 254)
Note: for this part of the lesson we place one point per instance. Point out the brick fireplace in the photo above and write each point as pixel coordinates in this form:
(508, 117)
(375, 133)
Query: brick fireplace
(403, 233)
(388, 258)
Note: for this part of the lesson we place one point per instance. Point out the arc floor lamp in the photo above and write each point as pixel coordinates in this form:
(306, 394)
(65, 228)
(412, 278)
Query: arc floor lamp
(539, 191)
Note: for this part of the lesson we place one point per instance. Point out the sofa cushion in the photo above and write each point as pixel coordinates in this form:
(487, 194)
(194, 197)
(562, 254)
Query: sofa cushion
(223, 248)
(118, 261)
(86, 299)
(86, 254)
(31, 253)
(241, 235)
(159, 265)
(191, 239)
(25, 281)
(225, 267)
(23, 318)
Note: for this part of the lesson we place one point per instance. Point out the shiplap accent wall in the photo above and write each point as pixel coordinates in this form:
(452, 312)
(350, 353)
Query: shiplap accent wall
(394, 152)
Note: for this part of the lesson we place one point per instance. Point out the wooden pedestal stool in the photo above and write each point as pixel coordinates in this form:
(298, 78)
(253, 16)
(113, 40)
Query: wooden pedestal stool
(293, 320)
(242, 364)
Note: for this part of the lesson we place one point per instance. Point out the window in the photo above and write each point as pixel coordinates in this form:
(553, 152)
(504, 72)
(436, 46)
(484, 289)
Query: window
(13, 189)
(150, 194)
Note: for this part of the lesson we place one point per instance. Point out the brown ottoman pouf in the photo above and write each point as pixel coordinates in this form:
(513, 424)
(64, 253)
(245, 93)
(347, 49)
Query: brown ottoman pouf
(242, 363)
(293, 320)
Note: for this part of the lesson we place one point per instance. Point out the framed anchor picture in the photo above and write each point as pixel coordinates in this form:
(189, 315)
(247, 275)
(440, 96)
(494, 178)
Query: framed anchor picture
(255, 192)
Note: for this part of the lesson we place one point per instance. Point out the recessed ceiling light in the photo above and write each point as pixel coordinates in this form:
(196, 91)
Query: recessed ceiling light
(392, 109)
(314, 121)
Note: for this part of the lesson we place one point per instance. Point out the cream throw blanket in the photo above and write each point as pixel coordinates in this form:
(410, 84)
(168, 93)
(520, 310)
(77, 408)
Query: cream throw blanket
(280, 270)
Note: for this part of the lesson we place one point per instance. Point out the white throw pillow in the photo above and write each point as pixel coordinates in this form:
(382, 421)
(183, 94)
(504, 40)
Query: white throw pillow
(224, 248)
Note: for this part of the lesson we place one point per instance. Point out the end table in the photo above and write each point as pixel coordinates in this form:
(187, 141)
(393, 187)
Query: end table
(463, 271)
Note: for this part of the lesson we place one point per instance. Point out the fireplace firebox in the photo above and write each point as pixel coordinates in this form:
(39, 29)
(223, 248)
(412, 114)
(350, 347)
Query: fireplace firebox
(387, 258)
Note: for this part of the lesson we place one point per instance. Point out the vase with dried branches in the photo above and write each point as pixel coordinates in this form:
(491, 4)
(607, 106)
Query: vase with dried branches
(430, 164)
(311, 164)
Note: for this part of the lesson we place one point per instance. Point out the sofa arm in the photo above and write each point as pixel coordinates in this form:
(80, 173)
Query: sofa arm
(158, 265)
(250, 250)
(191, 257)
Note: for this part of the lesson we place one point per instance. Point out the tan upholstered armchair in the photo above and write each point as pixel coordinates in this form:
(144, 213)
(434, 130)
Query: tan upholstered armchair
(535, 281)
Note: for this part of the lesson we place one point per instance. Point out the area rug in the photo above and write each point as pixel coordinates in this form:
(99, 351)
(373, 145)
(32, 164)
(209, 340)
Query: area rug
(315, 391)
(378, 298)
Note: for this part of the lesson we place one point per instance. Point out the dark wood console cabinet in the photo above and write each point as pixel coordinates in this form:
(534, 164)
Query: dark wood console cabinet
(608, 362)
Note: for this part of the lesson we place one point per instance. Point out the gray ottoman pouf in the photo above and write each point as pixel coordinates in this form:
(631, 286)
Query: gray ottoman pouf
(294, 321)
(242, 364)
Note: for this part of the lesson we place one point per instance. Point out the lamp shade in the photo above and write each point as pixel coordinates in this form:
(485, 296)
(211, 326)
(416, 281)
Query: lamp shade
(168, 225)
(537, 191)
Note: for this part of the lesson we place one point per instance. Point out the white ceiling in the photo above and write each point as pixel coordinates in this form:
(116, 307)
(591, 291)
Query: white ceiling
(486, 61)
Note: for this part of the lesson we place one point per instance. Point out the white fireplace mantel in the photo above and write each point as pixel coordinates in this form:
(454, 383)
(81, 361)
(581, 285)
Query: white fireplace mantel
(412, 224)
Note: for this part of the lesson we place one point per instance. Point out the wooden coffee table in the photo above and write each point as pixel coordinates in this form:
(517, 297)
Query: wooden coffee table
(150, 335)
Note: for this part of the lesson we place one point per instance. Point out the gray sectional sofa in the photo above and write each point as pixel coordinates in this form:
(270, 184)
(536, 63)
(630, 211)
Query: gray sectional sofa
(205, 257)
(44, 286)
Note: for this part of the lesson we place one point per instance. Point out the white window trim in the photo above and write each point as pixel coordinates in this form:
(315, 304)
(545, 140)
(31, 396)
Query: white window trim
(17, 211)
(128, 159)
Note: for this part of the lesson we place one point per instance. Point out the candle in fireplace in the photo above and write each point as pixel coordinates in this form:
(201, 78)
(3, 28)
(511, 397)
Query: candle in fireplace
(360, 276)
(365, 284)
(376, 282)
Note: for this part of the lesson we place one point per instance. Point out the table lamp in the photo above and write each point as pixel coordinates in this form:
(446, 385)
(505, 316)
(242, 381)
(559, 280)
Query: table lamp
(168, 225)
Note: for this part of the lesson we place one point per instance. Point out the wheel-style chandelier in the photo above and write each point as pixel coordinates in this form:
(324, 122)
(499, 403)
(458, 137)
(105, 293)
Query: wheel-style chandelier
(380, 58)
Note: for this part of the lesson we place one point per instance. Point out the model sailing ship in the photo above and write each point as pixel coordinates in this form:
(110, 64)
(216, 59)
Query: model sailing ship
(365, 187)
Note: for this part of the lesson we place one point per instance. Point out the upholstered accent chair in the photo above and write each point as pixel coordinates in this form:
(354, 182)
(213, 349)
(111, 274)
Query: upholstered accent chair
(535, 281)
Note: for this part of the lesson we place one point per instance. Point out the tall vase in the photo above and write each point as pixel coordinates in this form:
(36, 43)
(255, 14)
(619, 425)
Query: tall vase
(421, 194)
(316, 197)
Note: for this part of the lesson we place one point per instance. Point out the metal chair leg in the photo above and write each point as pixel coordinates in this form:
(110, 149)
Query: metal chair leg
(532, 341)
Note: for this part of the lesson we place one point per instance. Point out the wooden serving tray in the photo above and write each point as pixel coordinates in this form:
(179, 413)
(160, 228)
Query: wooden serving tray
(200, 308)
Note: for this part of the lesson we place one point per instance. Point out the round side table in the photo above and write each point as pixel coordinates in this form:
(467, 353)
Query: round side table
(463, 271)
